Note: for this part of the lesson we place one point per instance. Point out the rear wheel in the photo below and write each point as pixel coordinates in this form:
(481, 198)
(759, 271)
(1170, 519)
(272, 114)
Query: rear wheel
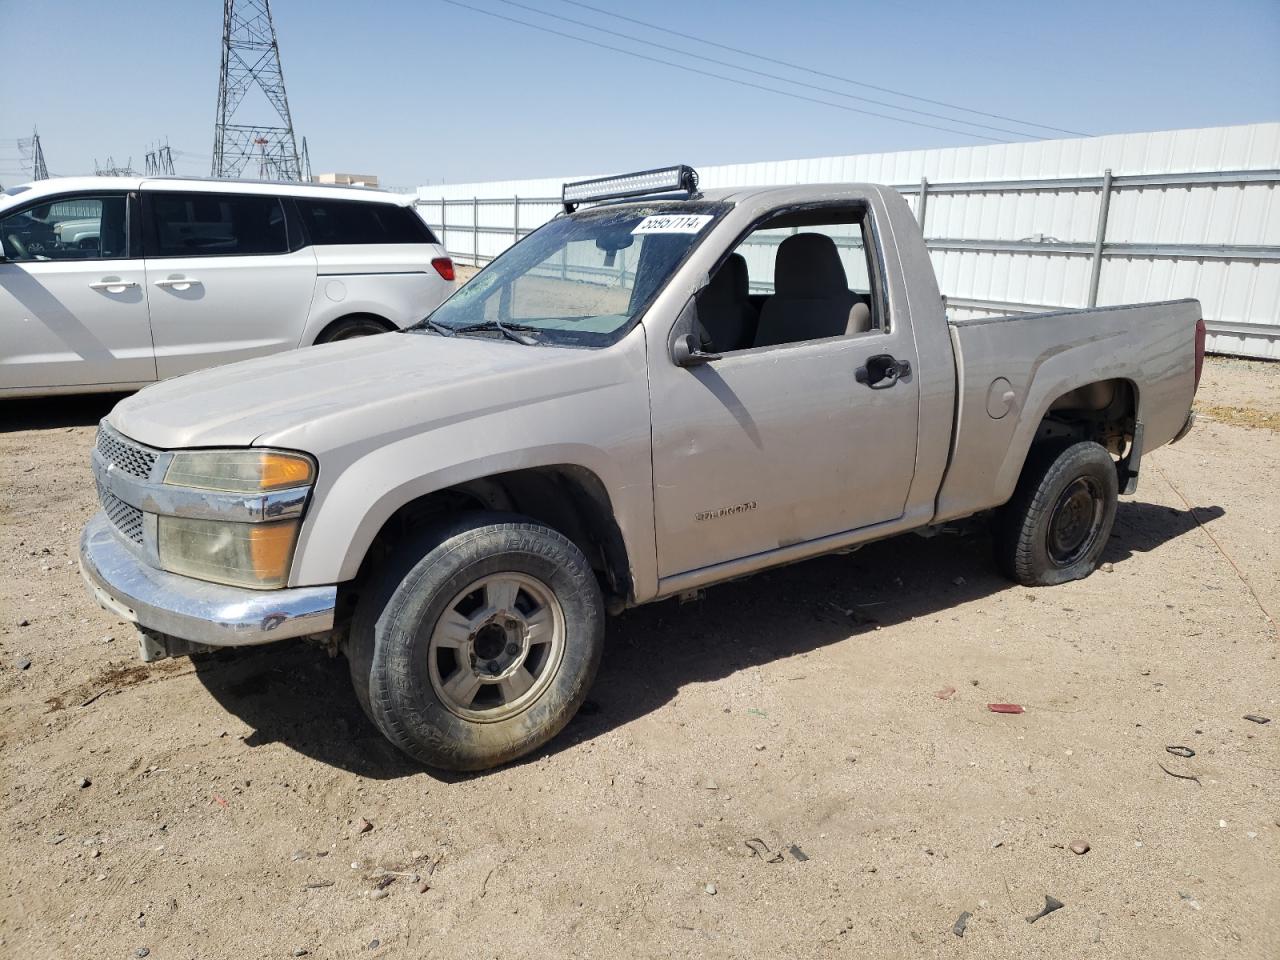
(349, 328)
(1056, 526)
(478, 643)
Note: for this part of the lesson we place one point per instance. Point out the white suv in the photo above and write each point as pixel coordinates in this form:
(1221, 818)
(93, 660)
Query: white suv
(111, 283)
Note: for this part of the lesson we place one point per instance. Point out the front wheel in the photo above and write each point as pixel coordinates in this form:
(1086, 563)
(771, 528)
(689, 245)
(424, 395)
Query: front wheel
(481, 642)
(1056, 526)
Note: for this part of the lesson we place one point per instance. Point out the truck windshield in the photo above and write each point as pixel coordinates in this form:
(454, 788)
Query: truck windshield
(582, 279)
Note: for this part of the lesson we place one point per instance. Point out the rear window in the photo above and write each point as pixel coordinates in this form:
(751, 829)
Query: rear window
(354, 221)
(211, 224)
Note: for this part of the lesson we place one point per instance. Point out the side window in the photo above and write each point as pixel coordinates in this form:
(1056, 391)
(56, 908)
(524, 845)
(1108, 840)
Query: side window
(799, 276)
(216, 225)
(356, 221)
(69, 228)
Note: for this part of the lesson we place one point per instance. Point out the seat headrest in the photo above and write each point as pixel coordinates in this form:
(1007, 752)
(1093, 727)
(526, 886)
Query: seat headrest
(737, 267)
(808, 266)
(728, 284)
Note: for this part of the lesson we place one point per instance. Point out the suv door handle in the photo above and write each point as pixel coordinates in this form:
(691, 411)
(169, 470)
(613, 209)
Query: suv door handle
(178, 283)
(113, 286)
(882, 371)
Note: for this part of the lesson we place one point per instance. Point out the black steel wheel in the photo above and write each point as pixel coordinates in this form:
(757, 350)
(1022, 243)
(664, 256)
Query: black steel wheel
(1057, 523)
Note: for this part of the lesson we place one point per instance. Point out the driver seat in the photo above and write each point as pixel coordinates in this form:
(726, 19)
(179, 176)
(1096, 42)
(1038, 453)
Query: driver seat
(811, 298)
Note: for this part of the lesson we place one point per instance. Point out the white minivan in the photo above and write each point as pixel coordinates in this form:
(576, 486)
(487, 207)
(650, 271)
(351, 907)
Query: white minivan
(111, 283)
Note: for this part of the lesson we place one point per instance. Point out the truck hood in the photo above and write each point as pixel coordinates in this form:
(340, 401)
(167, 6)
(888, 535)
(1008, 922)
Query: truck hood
(312, 398)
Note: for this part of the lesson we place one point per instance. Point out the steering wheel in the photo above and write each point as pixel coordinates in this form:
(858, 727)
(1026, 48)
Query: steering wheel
(18, 246)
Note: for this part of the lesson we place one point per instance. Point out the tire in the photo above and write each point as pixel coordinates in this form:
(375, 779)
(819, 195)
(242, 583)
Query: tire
(478, 642)
(1057, 524)
(351, 327)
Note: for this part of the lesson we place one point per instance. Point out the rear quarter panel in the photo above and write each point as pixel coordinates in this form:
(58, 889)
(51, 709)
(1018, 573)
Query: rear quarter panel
(1044, 356)
(392, 281)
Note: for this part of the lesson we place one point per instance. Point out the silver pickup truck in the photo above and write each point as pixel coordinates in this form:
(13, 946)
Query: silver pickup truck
(659, 390)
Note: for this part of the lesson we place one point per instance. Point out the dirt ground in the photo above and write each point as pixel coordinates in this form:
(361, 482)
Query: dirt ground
(214, 809)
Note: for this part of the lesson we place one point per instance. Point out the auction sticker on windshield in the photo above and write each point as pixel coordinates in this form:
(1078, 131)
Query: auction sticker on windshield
(673, 223)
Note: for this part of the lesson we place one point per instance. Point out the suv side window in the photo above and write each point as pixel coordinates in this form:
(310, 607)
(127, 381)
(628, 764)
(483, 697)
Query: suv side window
(356, 221)
(68, 228)
(215, 225)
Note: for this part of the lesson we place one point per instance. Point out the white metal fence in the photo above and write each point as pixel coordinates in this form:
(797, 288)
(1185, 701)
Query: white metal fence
(1205, 225)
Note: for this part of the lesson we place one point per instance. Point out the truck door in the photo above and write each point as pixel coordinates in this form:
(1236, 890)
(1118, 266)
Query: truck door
(225, 279)
(806, 425)
(73, 311)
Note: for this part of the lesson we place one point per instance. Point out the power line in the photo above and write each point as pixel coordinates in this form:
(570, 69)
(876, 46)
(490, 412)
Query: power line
(721, 76)
(819, 73)
(763, 73)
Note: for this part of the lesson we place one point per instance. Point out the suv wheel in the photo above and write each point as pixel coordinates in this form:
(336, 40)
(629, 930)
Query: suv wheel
(1056, 526)
(478, 642)
(351, 327)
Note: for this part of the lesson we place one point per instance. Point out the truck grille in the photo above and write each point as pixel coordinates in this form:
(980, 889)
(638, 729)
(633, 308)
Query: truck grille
(126, 518)
(127, 456)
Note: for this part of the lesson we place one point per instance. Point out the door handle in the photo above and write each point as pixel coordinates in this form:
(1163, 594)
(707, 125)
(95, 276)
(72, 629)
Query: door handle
(113, 286)
(882, 371)
(178, 283)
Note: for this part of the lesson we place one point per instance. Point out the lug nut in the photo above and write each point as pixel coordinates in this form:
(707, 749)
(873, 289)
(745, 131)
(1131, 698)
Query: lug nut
(513, 648)
(492, 666)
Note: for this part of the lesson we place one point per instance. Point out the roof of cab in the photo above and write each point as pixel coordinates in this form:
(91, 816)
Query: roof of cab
(759, 193)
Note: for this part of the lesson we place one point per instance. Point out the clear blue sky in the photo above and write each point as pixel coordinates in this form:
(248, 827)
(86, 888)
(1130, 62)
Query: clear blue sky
(419, 92)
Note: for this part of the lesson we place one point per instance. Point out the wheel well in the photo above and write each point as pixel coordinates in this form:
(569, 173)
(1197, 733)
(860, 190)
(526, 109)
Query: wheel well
(333, 324)
(1105, 411)
(567, 498)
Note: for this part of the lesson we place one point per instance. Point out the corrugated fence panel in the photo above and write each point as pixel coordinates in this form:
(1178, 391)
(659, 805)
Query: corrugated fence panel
(1035, 246)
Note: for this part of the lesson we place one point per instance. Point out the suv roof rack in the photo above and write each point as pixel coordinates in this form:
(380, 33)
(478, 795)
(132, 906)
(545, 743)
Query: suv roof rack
(679, 179)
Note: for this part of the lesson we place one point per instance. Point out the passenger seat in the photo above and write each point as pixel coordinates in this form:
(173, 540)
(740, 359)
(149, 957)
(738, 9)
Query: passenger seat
(725, 313)
(811, 298)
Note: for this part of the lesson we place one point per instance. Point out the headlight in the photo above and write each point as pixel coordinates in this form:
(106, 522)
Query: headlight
(256, 555)
(239, 471)
(242, 554)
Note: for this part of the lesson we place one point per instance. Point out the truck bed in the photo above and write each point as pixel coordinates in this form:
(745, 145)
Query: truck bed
(1038, 358)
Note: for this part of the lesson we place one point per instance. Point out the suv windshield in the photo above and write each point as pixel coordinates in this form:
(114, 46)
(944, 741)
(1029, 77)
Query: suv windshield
(582, 279)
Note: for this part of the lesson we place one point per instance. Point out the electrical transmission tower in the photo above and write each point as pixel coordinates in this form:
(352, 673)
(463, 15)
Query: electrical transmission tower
(111, 169)
(251, 58)
(159, 161)
(32, 155)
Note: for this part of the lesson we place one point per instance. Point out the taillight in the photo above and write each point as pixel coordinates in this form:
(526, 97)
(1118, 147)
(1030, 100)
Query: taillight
(1200, 334)
(444, 267)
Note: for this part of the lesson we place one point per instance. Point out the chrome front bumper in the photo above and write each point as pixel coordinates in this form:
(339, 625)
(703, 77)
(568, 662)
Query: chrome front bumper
(193, 610)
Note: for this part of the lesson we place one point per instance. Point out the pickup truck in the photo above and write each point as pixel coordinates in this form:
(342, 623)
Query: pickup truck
(658, 390)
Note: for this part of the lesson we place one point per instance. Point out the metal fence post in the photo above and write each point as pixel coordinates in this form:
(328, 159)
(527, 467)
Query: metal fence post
(475, 231)
(1104, 208)
(444, 222)
(515, 221)
(924, 200)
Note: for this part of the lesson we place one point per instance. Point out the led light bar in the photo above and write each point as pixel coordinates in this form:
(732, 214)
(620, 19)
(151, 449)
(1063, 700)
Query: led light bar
(645, 183)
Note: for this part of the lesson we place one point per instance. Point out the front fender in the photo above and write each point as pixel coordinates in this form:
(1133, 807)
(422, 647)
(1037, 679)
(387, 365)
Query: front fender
(362, 484)
(342, 527)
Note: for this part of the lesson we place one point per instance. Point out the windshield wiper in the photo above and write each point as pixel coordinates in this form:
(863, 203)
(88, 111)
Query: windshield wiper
(512, 331)
(443, 329)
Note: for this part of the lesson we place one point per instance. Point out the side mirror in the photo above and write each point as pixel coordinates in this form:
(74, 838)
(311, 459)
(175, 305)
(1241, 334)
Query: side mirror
(686, 352)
